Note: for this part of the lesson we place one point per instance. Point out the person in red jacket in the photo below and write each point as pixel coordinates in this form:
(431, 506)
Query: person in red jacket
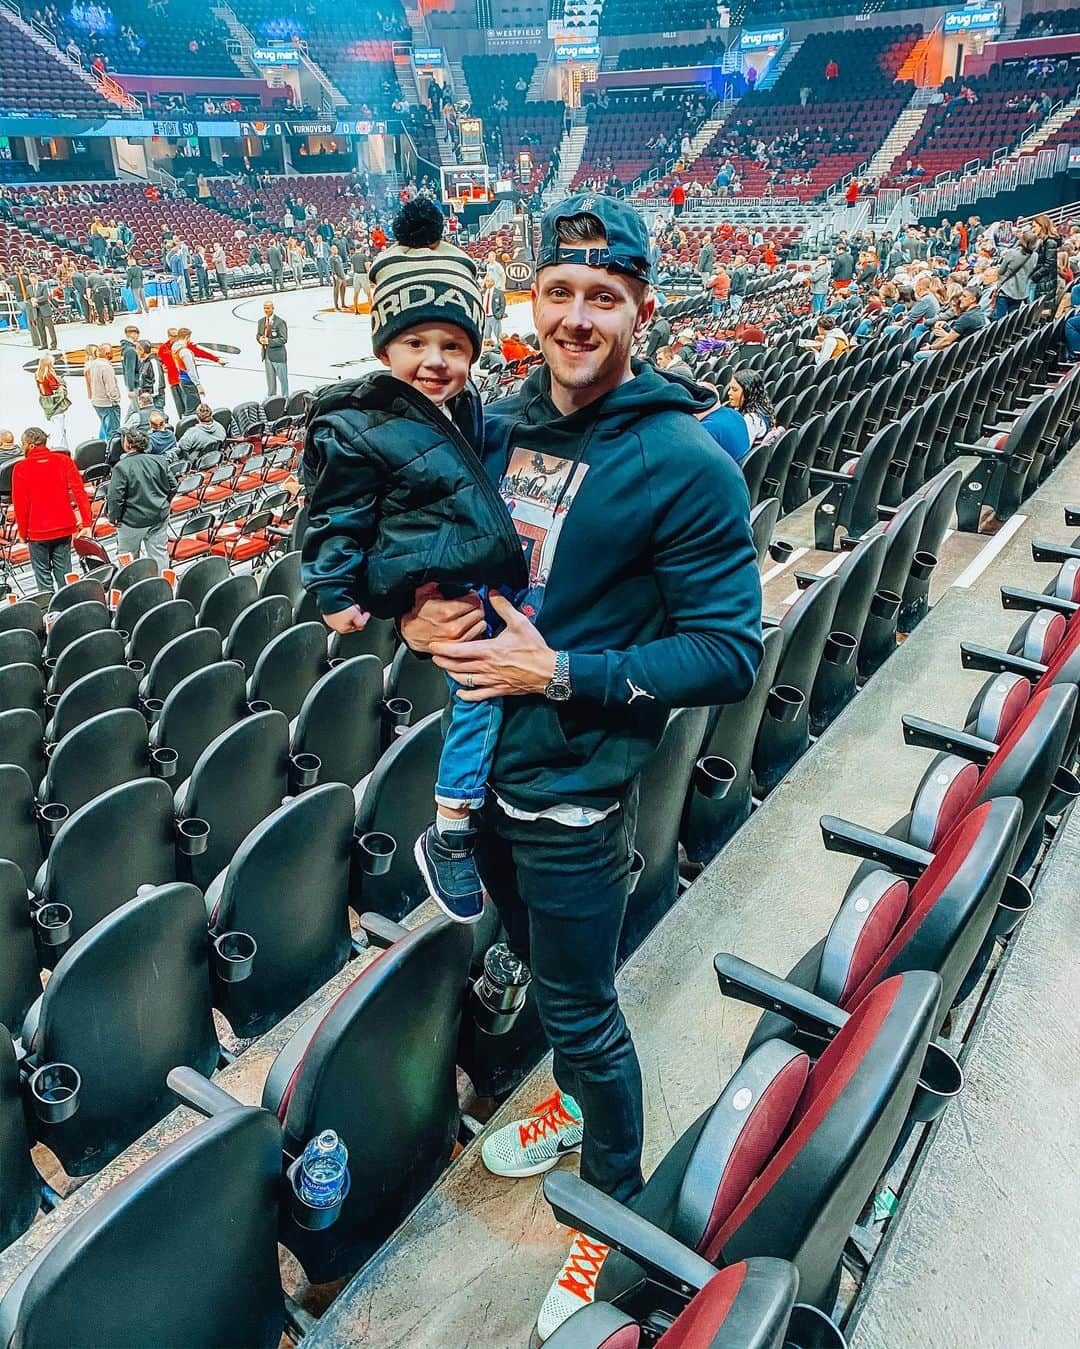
(851, 196)
(378, 237)
(677, 197)
(46, 492)
(172, 370)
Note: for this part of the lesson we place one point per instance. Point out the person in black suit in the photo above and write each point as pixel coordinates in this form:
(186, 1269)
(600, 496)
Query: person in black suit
(42, 300)
(273, 334)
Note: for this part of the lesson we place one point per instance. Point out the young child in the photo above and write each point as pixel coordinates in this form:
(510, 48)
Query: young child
(400, 500)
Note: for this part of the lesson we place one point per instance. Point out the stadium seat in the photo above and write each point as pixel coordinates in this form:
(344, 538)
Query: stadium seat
(785, 729)
(103, 853)
(73, 623)
(21, 686)
(21, 742)
(398, 799)
(100, 691)
(197, 710)
(341, 720)
(915, 910)
(749, 1305)
(664, 781)
(287, 886)
(102, 752)
(187, 1228)
(241, 777)
(20, 646)
(397, 1022)
(793, 1185)
(157, 627)
(152, 955)
(92, 652)
(177, 659)
(225, 600)
(289, 665)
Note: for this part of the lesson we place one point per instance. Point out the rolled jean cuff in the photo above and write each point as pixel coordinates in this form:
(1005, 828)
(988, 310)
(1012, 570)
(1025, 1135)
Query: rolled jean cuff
(457, 802)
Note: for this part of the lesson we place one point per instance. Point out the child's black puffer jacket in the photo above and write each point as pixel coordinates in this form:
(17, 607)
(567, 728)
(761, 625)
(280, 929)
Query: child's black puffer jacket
(399, 498)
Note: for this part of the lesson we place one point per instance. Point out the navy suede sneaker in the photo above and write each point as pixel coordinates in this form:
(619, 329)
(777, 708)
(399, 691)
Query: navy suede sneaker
(447, 864)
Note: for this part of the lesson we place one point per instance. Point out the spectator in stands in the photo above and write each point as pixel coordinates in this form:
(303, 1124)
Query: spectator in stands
(140, 489)
(832, 70)
(677, 197)
(162, 437)
(54, 400)
(739, 279)
(830, 343)
(720, 285)
(568, 930)
(706, 259)
(514, 349)
(968, 317)
(46, 492)
(272, 335)
(659, 336)
(8, 449)
(104, 391)
(1015, 272)
(140, 416)
(135, 281)
(1045, 278)
(207, 433)
(670, 361)
(749, 397)
(843, 267)
(727, 428)
(923, 313)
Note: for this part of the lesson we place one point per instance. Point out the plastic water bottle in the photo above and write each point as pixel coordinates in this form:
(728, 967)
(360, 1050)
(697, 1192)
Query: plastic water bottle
(324, 1170)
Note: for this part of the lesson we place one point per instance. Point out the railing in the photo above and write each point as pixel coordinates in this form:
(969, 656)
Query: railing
(502, 215)
(162, 178)
(945, 197)
(337, 98)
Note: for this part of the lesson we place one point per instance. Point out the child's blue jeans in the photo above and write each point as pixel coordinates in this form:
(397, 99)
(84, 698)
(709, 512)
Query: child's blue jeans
(468, 750)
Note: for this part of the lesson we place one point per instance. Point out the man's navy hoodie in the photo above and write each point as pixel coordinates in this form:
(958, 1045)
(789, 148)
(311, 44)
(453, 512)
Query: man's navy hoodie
(654, 589)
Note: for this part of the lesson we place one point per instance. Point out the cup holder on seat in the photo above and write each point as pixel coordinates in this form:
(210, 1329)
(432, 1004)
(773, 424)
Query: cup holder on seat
(54, 1092)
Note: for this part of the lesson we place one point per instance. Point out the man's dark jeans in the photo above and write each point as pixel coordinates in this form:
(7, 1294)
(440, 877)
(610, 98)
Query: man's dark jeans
(561, 893)
(50, 560)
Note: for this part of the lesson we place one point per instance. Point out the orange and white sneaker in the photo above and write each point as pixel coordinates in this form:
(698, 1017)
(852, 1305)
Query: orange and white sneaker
(574, 1286)
(530, 1146)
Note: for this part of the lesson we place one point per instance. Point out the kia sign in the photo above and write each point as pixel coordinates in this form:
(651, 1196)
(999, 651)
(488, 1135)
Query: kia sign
(519, 274)
(986, 19)
(762, 38)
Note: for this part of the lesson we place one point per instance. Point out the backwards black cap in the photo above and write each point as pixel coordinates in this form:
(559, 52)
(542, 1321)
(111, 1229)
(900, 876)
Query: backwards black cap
(627, 240)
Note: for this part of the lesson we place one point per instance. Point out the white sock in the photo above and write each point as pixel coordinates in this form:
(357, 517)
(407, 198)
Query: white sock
(450, 824)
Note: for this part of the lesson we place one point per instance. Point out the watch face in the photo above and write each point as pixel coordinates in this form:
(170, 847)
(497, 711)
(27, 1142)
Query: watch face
(558, 693)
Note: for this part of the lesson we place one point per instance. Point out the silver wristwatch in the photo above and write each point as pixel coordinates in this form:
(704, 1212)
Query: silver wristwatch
(558, 686)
